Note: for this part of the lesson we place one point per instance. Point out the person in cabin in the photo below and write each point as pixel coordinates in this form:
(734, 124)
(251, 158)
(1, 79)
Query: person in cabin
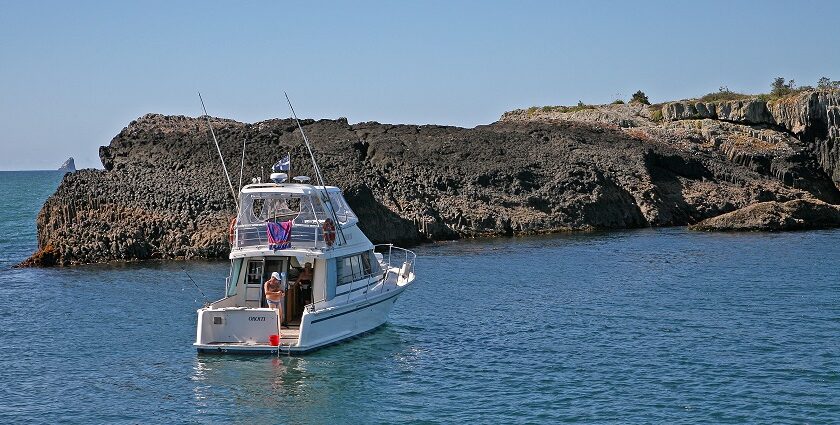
(275, 294)
(304, 284)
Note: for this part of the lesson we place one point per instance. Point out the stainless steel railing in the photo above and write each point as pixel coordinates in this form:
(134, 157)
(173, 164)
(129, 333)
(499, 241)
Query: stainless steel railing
(256, 235)
(396, 253)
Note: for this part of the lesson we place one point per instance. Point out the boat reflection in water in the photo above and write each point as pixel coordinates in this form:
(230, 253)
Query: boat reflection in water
(296, 388)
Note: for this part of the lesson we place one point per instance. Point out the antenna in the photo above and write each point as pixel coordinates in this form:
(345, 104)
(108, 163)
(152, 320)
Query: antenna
(305, 140)
(219, 150)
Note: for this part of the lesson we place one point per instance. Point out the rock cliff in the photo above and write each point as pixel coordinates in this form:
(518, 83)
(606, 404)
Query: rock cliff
(162, 194)
(813, 118)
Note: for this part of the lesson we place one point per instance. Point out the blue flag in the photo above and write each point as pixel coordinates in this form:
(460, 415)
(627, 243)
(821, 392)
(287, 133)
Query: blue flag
(283, 164)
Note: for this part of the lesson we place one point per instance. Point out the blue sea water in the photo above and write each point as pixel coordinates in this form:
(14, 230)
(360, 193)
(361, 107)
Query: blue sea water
(648, 326)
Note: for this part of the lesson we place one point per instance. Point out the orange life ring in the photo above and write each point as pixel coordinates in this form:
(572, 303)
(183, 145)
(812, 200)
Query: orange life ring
(232, 230)
(329, 232)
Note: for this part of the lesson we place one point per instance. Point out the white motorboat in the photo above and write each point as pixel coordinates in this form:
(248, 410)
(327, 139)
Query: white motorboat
(349, 286)
(354, 284)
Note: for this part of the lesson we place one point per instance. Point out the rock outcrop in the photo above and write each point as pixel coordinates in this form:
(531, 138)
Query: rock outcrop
(68, 166)
(811, 117)
(775, 216)
(162, 193)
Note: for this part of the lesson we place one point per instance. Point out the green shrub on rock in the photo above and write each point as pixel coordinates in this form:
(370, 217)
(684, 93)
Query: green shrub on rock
(640, 97)
(656, 115)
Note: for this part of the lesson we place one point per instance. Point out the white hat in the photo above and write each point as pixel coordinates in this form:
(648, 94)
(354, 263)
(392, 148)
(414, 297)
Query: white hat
(276, 275)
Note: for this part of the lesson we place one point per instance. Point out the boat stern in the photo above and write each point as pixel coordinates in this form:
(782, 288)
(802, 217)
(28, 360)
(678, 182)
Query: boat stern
(238, 328)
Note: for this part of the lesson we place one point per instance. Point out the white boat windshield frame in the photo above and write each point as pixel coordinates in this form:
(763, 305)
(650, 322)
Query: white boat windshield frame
(302, 207)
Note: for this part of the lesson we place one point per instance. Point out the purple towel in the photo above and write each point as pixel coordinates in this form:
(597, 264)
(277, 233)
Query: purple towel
(279, 235)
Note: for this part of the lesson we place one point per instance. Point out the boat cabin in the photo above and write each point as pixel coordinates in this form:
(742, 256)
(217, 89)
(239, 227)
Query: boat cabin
(282, 228)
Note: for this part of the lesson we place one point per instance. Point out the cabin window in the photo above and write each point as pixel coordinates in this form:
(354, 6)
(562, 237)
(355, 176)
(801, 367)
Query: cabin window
(235, 269)
(357, 267)
(344, 271)
(375, 268)
(342, 211)
(257, 208)
(365, 259)
(255, 273)
(353, 268)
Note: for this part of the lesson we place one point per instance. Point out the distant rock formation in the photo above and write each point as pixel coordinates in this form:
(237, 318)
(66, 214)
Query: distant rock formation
(162, 194)
(68, 166)
(775, 216)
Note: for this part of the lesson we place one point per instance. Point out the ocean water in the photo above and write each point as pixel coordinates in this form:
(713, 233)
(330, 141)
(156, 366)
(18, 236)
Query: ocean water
(648, 326)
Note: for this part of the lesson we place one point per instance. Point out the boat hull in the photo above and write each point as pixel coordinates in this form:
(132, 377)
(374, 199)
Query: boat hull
(248, 334)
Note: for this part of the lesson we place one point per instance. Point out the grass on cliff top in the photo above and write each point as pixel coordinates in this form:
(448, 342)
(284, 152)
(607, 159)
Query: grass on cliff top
(579, 107)
(722, 96)
(764, 97)
(779, 89)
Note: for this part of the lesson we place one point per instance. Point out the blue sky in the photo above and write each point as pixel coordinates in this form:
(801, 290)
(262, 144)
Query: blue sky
(72, 74)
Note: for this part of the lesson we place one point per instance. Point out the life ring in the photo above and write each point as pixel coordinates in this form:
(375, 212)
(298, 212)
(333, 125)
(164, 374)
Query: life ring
(232, 230)
(329, 232)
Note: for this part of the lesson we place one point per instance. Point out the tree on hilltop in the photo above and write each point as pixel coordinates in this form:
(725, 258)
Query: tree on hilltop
(825, 83)
(640, 97)
(780, 88)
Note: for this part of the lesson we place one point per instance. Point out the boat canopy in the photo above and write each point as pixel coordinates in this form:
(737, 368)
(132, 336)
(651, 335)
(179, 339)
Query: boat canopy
(295, 202)
(304, 207)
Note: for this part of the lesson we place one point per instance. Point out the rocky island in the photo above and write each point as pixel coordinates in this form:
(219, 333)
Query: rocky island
(162, 193)
(68, 166)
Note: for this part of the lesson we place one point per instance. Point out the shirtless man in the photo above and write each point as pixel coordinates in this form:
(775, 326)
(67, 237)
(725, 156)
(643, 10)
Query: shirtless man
(275, 295)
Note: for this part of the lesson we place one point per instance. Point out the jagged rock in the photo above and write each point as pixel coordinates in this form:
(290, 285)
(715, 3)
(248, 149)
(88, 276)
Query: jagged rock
(749, 111)
(162, 194)
(68, 166)
(775, 216)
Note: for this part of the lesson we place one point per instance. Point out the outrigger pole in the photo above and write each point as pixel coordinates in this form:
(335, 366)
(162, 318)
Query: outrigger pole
(305, 140)
(326, 197)
(219, 150)
(242, 165)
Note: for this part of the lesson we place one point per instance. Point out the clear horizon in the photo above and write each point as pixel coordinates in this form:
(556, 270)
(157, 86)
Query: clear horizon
(74, 74)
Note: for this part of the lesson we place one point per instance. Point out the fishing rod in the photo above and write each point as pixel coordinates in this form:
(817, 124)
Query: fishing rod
(306, 141)
(325, 195)
(219, 150)
(242, 165)
(206, 300)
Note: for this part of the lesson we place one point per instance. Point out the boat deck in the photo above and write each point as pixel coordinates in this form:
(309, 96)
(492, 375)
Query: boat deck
(288, 337)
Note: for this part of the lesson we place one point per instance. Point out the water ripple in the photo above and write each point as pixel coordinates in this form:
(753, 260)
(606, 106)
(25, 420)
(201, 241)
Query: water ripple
(639, 326)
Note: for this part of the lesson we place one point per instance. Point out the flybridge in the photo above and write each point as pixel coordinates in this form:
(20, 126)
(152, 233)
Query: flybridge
(311, 217)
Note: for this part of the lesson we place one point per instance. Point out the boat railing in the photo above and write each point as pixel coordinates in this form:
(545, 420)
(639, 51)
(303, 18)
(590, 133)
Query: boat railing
(393, 257)
(304, 235)
(397, 256)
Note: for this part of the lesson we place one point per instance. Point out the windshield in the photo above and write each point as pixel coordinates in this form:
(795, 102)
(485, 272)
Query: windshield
(342, 210)
(259, 208)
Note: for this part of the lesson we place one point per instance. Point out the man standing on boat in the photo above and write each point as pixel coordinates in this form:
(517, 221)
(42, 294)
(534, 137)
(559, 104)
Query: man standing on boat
(275, 294)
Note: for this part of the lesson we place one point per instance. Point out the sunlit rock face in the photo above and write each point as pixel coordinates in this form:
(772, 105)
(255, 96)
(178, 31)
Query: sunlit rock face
(162, 193)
